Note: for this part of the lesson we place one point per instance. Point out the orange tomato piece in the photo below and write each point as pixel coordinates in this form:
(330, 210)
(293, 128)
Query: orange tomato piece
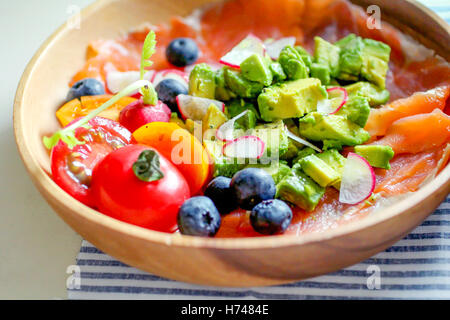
(181, 148)
(80, 107)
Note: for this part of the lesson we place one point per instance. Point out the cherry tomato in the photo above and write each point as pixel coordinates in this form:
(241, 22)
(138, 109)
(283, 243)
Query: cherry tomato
(121, 194)
(72, 168)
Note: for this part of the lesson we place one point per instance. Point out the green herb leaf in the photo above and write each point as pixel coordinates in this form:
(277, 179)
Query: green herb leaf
(147, 166)
(149, 94)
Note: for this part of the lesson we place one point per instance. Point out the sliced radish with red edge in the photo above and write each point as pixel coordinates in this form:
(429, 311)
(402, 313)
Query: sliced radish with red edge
(195, 108)
(358, 180)
(301, 141)
(245, 147)
(337, 98)
(247, 47)
(226, 131)
(274, 47)
(175, 74)
(116, 81)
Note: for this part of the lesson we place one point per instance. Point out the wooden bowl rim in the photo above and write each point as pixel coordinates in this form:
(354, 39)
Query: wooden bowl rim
(49, 188)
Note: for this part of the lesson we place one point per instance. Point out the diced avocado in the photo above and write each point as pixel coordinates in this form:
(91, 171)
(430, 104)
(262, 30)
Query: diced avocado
(291, 152)
(329, 144)
(299, 189)
(223, 166)
(190, 124)
(375, 95)
(202, 81)
(236, 107)
(275, 138)
(213, 119)
(350, 58)
(256, 68)
(291, 99)
(375, 62)
(357, 110)
(222, 92)
(319, 171)
(327, 54)
(377, 156)
(319, 127)
(321, 72)
(307, 59)
(241, 86)
(277, 72)
(336, 161)
(277, 169)
(293, 64)
(304, 153)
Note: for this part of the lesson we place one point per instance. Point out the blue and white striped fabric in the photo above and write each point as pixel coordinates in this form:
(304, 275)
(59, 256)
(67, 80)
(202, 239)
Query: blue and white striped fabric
(417, 267)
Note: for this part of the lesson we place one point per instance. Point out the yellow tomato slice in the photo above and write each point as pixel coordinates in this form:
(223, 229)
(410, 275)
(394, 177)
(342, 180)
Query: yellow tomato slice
(80, 107)
(181, 148)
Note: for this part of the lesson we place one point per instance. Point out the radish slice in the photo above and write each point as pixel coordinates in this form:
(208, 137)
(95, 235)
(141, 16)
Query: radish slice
(337, 97)
(358, 180)
(248, 147)
(116, 81)
(274, 47)
(247, 47)
(175, 74)
(226, 131)
(302, 141)
(195, 108)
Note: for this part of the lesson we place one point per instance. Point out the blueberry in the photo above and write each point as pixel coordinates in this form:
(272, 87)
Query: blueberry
(251, 186)
(199, 217)
(219, 191)
(182, 52)
(271, 217)
(86, 87)
(168, 90)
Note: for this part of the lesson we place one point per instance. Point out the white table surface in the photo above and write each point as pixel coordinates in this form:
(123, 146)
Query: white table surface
(36, 246)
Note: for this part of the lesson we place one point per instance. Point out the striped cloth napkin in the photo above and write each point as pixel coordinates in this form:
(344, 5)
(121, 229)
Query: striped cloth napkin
(417, 267)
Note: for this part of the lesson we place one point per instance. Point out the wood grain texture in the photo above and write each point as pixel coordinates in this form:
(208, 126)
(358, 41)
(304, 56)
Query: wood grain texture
(222, 262)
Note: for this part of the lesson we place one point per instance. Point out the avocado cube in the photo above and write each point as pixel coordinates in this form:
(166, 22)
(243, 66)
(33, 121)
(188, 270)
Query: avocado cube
(319, 127)
(329, 144)
(306, 57)
(327, 54)
(375, 62)
(336, 161)
(299, 189)
(350, 58)
(304, 153)
(291, 99)
(319, 171)
(223, 166)
(292, 63)
(212, 120)
(357, 110)
(222, 92)
(202, 81)
(275, 138)
(291, 152)
(321, 72)
(377, 156)
(277, 72)
(241, 86)
(236, 107)
(277, 169)
(375, 95)
(256, 68)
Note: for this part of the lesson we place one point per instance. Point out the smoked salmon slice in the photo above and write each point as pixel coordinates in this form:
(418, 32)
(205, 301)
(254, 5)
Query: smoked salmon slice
(422, 102)
(417, 133)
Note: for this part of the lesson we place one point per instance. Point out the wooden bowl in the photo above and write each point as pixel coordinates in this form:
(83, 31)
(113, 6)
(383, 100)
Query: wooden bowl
(222, 262)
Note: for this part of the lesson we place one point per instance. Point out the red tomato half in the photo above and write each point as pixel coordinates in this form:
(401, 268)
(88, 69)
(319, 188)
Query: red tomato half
(72, 168)
(120, 194)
